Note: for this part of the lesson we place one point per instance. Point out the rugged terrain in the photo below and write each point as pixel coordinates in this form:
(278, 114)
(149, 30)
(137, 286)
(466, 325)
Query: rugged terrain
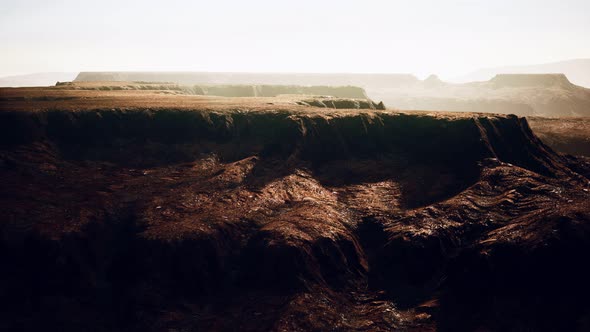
(156, 210)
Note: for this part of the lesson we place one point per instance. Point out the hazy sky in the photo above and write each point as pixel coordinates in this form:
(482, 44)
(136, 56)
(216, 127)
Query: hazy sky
(449, 38)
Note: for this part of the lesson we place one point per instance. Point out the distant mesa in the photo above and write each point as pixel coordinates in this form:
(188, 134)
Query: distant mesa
(524, 94)
(305, 79)
(577, 71)
(367, 81)
(530, 80)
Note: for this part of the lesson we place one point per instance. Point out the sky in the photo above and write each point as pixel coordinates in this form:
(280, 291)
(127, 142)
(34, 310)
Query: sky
(448, 38)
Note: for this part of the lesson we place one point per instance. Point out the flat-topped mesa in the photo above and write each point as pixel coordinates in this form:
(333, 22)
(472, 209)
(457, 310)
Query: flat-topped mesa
(530, 80)
(306, 79)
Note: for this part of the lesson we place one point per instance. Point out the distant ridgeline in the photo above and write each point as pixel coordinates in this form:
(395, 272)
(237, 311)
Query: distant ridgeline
(305, 79)
(549, 95)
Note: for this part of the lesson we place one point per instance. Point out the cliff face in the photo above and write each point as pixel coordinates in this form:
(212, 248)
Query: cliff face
(288, 219)
(313, 137)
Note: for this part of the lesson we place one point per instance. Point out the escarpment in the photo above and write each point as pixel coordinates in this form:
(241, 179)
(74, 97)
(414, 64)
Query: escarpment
(316, 137)
(273, 215)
